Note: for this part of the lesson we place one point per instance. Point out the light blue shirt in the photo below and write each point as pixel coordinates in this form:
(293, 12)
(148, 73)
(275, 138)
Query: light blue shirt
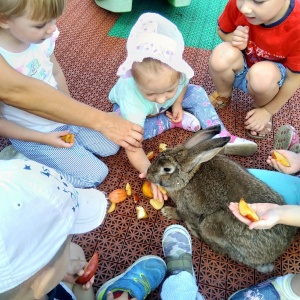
(133, 105)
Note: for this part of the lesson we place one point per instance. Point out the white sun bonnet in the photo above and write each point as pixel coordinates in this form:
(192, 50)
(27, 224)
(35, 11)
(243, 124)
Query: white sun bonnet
(39, 209)
(154, 36)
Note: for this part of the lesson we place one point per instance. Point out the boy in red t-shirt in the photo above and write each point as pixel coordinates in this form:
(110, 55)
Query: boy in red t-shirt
(260, 55)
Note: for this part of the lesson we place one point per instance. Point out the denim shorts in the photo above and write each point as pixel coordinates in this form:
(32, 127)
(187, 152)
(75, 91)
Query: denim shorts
(241, 82)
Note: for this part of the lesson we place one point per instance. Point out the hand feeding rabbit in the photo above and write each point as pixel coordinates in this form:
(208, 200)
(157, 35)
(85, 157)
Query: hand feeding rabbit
(202, 183)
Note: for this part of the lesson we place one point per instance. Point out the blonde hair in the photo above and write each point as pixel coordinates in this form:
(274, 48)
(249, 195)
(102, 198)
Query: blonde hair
(150, 66)
(37, 10)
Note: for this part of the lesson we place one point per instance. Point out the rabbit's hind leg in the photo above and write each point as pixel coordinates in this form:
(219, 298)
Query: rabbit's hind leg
(170, 213)
(211, 230)
(217, 244)
(193, 230)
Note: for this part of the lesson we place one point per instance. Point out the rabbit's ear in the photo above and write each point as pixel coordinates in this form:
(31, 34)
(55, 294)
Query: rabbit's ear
(202, 135)
(202, 152)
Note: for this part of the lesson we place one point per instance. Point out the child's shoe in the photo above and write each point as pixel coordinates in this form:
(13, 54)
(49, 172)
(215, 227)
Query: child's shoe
(278, 288)
(219, 101)
(238, 146)
(286, 137)
(189, 122)
(295, 148)
(142, 277)
(177, 248)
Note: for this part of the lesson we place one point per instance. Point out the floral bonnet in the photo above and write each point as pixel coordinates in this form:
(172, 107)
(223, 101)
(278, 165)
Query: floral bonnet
(156, 37)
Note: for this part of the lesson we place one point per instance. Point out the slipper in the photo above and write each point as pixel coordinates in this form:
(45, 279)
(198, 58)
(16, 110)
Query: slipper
(268, 127)
(285, 137)
(219, 101)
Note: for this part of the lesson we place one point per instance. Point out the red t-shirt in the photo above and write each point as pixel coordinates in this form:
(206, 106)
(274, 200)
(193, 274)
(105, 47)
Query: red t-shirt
(279, 42)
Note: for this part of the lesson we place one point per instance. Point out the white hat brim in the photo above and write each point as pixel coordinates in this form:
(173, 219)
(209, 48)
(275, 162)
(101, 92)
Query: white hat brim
(92, 210)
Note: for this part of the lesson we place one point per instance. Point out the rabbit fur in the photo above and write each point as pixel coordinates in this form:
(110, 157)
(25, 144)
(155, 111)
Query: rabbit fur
(202, 183)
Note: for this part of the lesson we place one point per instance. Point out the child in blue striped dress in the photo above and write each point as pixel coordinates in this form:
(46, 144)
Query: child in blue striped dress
(27, 40)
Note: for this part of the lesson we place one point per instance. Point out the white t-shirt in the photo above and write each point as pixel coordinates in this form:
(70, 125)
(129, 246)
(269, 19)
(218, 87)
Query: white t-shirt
(33, 62)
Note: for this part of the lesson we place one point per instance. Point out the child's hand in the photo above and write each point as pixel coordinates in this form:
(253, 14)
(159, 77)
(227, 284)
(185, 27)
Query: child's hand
(177, 113)
(293, 158)
(157, 194)
(76, 266)
(76, 269)
(267, 213)
(54, 139)
(240, 37)
(257, 119)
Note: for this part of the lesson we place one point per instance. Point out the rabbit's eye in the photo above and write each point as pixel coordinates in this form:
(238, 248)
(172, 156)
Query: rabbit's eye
(167, 168)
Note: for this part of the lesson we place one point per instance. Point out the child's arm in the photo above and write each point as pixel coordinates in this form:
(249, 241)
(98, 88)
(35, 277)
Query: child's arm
(39, 98)
(270, 214)
(141, 163)
(238, 38)
(59, 76)
(225, 37)
(259, 117)
(75, 269)
(177, 111)
(11, 130)
(139, 160)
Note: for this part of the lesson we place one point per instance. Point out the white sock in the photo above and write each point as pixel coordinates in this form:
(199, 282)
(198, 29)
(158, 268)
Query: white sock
(283, 286)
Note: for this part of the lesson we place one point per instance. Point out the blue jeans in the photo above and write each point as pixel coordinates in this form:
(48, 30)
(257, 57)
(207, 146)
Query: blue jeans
(241, 82)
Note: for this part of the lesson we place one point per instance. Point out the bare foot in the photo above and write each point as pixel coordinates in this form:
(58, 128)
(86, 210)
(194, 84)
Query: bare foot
(261, 135)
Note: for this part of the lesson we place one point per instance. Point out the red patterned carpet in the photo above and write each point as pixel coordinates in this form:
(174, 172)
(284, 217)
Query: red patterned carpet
(90, 60)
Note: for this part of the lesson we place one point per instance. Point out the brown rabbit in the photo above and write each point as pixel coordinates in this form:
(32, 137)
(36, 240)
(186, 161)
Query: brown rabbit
(202, 183)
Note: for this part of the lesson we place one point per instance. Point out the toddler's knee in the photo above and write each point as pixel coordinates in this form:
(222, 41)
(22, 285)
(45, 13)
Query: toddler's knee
(194, 93)
(223, 56)
(112, 150)
(115, 149)
(263, 76)
(94, 176)
(98, 178)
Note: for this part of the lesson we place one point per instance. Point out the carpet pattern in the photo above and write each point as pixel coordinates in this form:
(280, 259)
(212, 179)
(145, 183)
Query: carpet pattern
(90, 55)
(199, 19)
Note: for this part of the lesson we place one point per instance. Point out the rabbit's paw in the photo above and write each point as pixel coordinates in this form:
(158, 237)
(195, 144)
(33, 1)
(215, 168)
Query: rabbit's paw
(265, 268)
(170, 213)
